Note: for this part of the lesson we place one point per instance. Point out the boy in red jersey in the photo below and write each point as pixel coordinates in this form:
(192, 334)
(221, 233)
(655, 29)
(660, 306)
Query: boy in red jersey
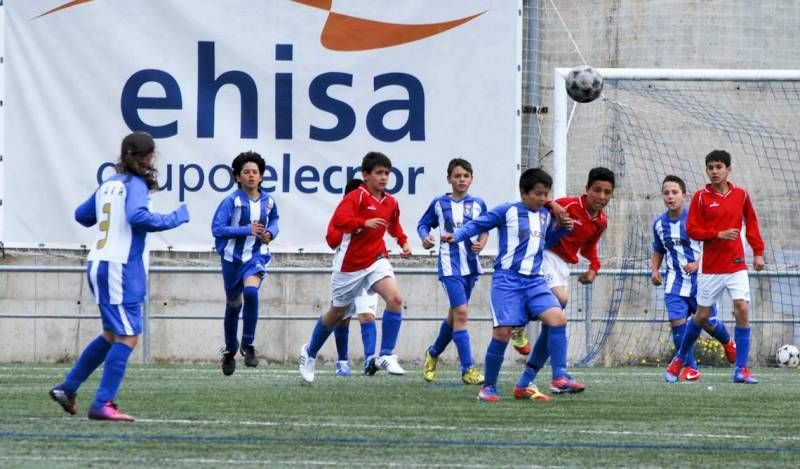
(364, 216)
(716, 215)
(590, 223)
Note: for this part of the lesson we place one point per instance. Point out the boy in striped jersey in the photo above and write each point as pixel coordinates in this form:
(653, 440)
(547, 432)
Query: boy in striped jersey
(459, 267)
(360, 263)
(244, 224)
(116, 272)
(717, 214)
(682, 255)
(519, 290)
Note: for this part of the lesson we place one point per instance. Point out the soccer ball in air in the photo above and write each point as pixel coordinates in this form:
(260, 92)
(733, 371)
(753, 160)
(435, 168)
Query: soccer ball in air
(788, 356)
(584, 84)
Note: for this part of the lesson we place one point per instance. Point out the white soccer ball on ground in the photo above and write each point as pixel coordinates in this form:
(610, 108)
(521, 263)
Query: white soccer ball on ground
(788, 356)
(584, 84)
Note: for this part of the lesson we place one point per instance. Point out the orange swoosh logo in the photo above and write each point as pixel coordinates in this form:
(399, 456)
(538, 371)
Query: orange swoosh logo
(349, 33)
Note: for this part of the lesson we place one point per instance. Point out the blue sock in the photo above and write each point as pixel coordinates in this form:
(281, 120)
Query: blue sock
(442, 340)
(113, 372)
(231, 326)
(91, 357)
(494, 360)
(540, 352)
(689, 338)
(461, 338)
(342, 334)
(719, 331)
(742, 337)
(369, 336)
(249, 315)
(557, 343)
(318, 338)
(390, 329)
(677, 339)
(528, 374)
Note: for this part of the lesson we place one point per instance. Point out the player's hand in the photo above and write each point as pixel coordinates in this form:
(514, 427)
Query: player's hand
(758, 263)
(691, 267)
(429, 242)
(587, 277)
(373, 223)
(559, 212)
(567, 223)
(256, 229)
(266, 237)
(406, 251)
(448, 238)
(655, 278)
(729, 234)
(478, 246)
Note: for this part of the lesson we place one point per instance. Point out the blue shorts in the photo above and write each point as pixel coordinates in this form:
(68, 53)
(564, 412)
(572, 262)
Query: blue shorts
(124, 319)
(518, 299)
(233, 274)
(681, 307)
(458, 288)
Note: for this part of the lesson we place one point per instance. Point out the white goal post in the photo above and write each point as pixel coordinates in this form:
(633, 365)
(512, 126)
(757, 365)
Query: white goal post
(561, 99)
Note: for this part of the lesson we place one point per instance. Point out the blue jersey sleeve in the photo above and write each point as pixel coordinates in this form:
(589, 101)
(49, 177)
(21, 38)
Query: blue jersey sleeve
(429, 220)
(86, 213)
(484, 223)
(220, 224)
(272, 217)
(139, 215)
(554, 232)
(658, 245)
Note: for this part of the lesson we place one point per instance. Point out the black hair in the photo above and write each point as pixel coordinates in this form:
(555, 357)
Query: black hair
(533, 176)
(719, 155)
(352, 185)
(135, 149)
(455, 163)
(374, 159)
(675, 179)
(247, 157)
(600, 174)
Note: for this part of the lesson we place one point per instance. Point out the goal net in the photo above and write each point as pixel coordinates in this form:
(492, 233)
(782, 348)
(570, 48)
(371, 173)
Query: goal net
(650, 123)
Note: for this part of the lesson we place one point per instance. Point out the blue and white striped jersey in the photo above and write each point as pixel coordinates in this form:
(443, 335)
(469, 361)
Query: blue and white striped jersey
(671, 240)
(231, 225)
(523, 234)
(449, 215)
(116, 267)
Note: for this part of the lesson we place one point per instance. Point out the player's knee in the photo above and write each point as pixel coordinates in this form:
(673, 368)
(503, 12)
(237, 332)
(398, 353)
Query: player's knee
(502, 334)
(394, 302)
(460, 316)
(235, 303)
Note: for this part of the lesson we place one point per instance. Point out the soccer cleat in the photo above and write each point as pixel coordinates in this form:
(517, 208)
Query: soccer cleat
(343, 368)
(519, 340)
(429, 368)
(228, 362)
(472, 376)
(743, 376)
(530, 392)
(730, 351)
(673, 370)
(370, 367)
(64, 399)
(488, 394)
(689, 374)
(565, 385)
(307, 364)
(109, 411)
(390, 365)
(249, 353)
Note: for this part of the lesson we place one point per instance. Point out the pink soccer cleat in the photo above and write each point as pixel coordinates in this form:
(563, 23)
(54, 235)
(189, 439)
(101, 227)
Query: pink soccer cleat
(109, 411)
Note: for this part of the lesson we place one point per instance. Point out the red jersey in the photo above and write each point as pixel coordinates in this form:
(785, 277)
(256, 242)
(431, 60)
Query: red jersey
(584, 236)
(360, 247)
(711, 212)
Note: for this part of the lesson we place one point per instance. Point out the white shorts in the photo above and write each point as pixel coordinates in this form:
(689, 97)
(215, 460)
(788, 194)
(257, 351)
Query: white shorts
(711, 286)
(346, 286)
(555, 270)
(365, 303)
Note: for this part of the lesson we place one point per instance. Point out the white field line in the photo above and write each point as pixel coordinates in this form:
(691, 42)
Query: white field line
(389, 428)
(261, 462)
